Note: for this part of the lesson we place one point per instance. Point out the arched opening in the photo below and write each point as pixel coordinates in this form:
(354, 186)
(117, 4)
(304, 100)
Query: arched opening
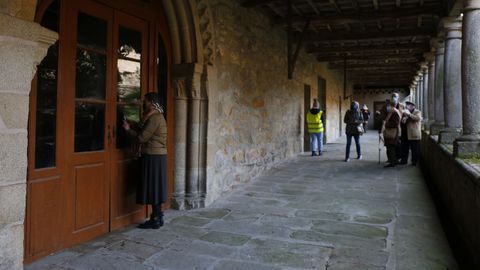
(82, 171)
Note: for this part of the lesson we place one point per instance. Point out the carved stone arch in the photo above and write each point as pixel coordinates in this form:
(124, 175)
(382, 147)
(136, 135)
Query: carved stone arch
(207, 31)
(191, 30)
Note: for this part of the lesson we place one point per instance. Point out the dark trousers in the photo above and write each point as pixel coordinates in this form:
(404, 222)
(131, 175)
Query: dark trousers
(405, 146)
(410, 145)
(357, 145)
(392, 153)
(156, 211)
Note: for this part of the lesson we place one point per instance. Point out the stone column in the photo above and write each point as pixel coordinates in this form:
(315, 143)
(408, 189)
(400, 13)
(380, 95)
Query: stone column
(417, 91)
(420, 90)
(190, 137)
(430, 58)
(180, 142)
(425, 94)
(23, 45)
(439, 123)
(452, 80)
(469, 143)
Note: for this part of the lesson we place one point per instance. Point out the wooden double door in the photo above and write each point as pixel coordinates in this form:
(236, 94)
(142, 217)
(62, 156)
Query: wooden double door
(87, 186)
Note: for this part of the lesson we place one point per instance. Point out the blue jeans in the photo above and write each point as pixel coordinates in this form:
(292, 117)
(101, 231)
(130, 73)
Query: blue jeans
(316, 142)
(357, 144)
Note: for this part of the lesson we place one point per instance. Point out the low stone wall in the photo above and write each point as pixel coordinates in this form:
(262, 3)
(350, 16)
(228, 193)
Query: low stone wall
(456, 188)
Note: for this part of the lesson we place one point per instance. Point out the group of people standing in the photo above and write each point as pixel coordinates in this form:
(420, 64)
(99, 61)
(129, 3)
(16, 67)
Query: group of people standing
(400, 132)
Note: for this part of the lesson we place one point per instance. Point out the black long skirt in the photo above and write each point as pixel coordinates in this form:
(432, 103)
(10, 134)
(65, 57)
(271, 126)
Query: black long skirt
(152, 187)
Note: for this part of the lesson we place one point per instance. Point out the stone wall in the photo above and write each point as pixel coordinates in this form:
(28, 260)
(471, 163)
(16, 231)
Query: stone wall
(456, 187)
(256, 114)
(23, 45)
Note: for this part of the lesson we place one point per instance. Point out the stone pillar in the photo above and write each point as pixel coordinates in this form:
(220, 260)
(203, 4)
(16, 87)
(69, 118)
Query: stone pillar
(417, 91)
(469, 143)
(190, 136)
(23, 45)
(420, 90)
(425, 94)
(452, 80)
(439, 123)
(430, 58)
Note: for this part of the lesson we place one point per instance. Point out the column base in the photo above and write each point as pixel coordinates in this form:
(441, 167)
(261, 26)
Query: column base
(448, 135)
(467, 146)
(436, 127)
(188, 201)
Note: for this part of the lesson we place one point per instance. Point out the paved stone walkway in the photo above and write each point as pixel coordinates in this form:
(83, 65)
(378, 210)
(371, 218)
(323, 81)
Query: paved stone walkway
(309, 213)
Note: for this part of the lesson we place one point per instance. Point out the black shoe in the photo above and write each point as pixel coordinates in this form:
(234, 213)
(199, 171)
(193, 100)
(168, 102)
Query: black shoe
(402, 163)
(314, 154)
(320, 153)
(147, 224)
(154, 223)
(414, 164)
(157, 223)
(389, 165)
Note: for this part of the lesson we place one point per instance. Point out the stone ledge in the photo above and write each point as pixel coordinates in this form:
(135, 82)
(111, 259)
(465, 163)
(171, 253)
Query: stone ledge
(456, 187)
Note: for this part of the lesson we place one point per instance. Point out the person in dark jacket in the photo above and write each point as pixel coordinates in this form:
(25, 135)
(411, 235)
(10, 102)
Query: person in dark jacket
(316, 125)
(354, 121)
(152, 137)
(391, 132)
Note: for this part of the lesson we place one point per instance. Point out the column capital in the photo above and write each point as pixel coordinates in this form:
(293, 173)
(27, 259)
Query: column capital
(424, 67)
(469, 5)
(429, 58)
(438, 43)
(452, 27)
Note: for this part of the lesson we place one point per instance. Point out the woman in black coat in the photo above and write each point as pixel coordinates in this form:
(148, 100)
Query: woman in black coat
(354, 120)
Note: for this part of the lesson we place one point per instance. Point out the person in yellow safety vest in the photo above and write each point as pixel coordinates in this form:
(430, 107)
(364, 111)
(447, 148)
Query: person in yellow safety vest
(315, 124)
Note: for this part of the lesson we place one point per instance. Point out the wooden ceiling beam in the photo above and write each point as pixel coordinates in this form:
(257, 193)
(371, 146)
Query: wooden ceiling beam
(312, 37)
(254, 3)
(384, 66)
(404, 57)
(361, 17)
(424, 46)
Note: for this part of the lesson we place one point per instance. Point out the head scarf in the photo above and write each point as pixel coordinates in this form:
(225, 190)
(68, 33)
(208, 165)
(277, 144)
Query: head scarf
(154, 99)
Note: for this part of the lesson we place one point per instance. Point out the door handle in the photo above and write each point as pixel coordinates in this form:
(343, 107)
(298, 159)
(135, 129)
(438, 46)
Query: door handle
(109, 135)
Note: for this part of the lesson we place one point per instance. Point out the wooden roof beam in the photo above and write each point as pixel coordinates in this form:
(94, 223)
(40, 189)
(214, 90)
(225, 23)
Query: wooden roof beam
(254, 3)
(311, 37)
(359, 17)
(376, 66)
(424, 46)
(405, 57)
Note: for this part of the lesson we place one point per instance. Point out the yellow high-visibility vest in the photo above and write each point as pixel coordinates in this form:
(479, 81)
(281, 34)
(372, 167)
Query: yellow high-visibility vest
(314, 122)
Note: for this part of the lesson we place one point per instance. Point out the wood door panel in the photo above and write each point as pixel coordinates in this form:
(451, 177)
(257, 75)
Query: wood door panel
(45, 212)
(125, 210)
(90, 196)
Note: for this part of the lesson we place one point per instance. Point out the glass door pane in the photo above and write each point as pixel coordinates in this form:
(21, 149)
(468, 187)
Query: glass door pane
(129, 78)
(90, 84)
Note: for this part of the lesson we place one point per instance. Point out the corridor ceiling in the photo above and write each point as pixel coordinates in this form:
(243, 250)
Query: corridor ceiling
(381, 42)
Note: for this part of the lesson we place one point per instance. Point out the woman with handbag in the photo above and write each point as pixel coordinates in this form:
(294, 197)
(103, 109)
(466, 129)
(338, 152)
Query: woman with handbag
(354, 121)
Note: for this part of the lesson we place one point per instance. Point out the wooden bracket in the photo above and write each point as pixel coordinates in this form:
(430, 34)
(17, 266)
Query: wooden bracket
(293, 55)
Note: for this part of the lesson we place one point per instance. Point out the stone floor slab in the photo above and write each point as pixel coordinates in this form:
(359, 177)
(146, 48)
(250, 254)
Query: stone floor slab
(308, 213)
